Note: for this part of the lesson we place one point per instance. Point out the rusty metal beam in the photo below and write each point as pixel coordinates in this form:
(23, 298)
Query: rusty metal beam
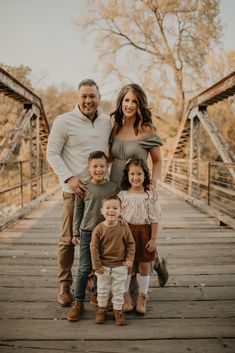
(219, 91)
(16, 90)
(12, 88)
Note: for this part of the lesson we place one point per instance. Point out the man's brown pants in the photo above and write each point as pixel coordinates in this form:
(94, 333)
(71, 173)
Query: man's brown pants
(65, 255)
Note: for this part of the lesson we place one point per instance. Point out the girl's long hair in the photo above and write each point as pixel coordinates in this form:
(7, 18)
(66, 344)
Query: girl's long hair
(143, 114)
(125, 184)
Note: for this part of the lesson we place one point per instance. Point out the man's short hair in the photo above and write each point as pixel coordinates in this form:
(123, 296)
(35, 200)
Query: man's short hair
(88, 82)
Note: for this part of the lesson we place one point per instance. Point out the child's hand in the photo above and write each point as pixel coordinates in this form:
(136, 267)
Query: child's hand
(75, 240)
(128, 265)
(151, 245)
(100, 270)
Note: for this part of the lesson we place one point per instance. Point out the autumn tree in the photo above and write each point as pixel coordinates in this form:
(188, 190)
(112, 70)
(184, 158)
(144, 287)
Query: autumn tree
(57, 101)
(164, 41)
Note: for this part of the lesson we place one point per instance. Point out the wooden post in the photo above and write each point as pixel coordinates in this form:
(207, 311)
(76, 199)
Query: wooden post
(21, 186)
(34, 156)
(173, 173)
(190, 171)
(209, 183)
(197, 154)
(31, 160)
(41, 172)
(38, 156)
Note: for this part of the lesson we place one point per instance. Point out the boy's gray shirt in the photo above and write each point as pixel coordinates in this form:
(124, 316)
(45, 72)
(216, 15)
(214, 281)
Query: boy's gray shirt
(87, 210)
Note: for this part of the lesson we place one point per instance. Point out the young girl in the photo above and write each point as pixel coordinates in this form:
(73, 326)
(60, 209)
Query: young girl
(141, 209)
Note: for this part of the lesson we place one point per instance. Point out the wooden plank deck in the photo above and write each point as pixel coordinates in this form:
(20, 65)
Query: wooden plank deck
(195, 312)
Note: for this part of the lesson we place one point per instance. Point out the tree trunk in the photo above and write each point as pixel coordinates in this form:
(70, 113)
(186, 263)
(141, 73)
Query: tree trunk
(180, 98)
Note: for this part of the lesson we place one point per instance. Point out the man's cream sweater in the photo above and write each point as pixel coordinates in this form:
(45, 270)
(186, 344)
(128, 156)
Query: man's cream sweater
(72, 138)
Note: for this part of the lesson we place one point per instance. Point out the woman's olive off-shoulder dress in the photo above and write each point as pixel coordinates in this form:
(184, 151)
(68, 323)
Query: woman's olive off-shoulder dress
(126, 149)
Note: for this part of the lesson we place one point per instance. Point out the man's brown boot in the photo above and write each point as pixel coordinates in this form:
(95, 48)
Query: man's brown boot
(100, 315)
(64, 298)
(119, 317)
(75, 313)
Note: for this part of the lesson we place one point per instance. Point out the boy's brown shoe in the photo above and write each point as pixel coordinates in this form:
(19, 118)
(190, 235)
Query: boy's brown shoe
(100, 315)
(141, 304)
(119, 317)
(75, 313)
(127, 306)
(64, 298)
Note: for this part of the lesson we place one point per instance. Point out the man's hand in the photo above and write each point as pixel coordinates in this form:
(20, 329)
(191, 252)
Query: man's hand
(78, 186)
(75, 240)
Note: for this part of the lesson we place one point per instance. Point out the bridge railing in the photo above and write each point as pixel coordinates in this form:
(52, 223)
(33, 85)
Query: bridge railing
(209, 182)
(18, 186)
(221, 187)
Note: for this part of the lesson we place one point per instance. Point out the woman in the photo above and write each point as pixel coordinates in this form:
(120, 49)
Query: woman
(133, 133)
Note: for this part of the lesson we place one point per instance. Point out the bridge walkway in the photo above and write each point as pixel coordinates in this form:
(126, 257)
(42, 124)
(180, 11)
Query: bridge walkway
(195, 312)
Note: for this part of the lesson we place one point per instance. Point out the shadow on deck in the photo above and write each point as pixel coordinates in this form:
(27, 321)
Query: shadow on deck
(195, 312)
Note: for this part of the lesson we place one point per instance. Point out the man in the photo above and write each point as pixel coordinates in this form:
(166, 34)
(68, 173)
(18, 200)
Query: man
(73, 137)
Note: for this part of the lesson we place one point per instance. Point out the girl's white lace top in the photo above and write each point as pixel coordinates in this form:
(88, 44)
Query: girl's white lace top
(140, 208)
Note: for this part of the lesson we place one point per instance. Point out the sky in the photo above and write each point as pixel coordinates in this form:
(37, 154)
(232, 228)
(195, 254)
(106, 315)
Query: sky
(40, 34)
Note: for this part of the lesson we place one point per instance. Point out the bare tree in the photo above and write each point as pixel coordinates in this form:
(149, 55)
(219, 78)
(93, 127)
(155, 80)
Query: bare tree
(163, 40)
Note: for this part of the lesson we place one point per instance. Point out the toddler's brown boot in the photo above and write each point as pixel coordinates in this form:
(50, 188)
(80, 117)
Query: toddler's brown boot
(119, 317)
(100, 315)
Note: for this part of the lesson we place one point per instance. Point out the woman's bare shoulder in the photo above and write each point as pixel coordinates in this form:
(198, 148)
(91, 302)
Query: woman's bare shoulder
(147, 130)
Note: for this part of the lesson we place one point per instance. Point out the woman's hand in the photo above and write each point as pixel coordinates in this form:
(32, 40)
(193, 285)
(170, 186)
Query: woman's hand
(151, 245)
